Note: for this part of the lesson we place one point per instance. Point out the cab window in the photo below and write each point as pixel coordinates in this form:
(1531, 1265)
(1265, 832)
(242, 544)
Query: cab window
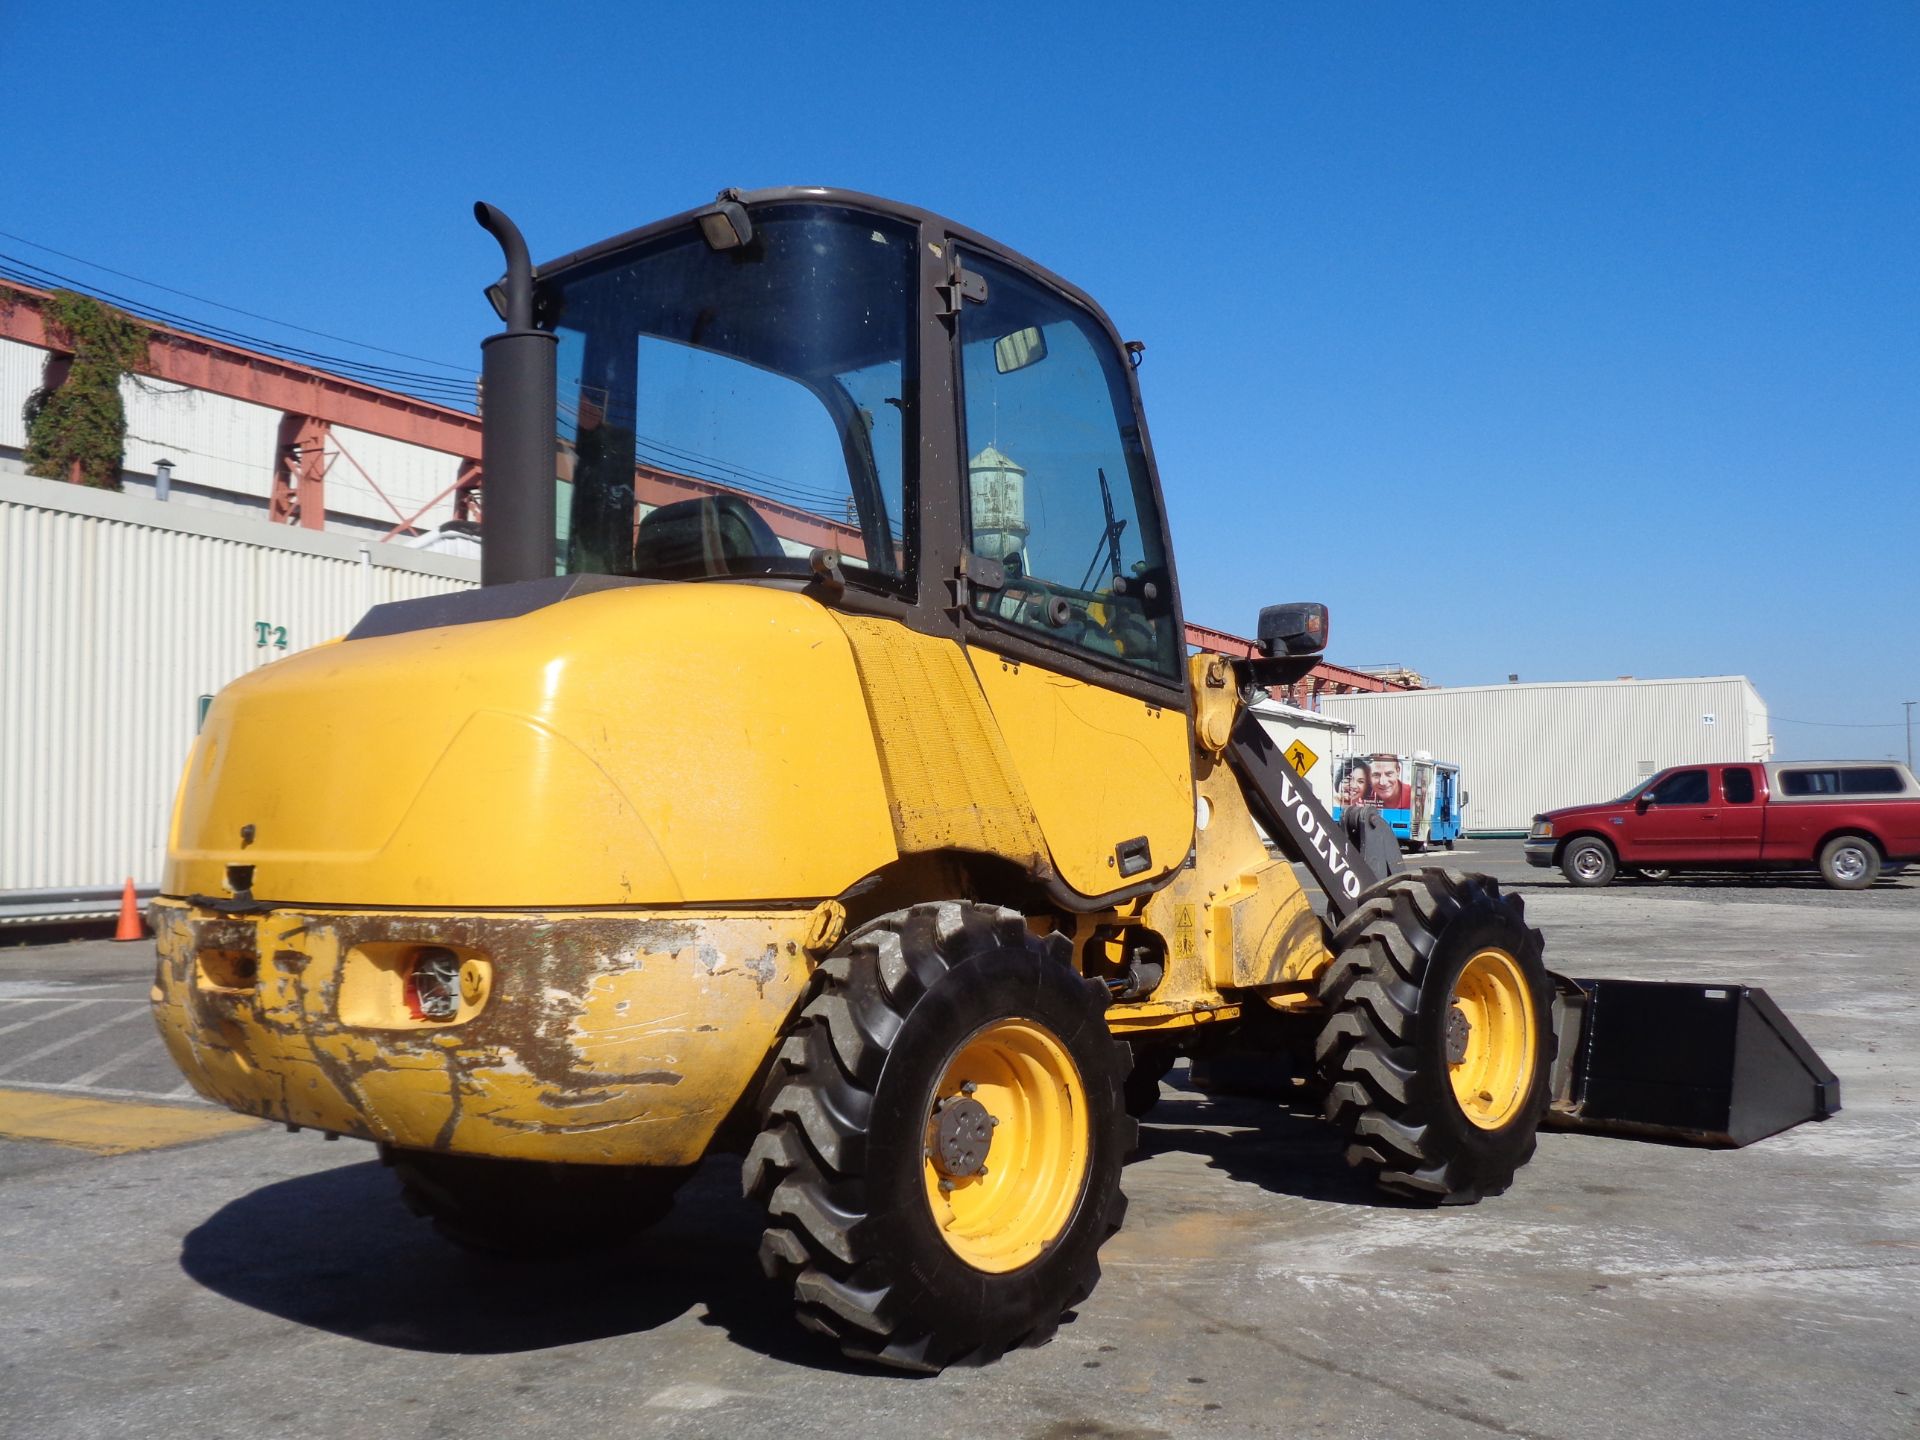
(1683, 787)
(1058, 493)
(1738, 782)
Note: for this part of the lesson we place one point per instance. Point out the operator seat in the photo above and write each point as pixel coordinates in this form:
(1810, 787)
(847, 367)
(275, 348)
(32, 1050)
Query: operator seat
(710, 535)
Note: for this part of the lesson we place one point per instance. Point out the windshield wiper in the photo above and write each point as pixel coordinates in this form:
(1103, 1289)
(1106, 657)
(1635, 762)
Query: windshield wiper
(1109, 537)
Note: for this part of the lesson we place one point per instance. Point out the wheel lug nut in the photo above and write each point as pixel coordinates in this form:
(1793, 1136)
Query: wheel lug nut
(968, 1087)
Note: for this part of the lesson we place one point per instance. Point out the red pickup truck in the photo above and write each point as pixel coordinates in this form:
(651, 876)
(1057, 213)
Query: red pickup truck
(1850, 819)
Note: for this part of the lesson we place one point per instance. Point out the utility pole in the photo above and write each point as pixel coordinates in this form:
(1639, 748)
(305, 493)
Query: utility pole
(1909, 704)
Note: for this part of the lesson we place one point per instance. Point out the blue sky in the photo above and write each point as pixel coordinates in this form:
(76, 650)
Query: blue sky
(1570, 341)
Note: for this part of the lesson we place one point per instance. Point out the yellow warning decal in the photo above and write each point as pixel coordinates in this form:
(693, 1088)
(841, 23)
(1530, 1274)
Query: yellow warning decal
(111, 1127)
(1185, 944)
(1300, 757)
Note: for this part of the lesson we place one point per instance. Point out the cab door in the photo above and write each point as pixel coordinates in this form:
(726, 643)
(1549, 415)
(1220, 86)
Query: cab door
(1072, 623)
(1421, 828)
(1674, 821)
(1741, 810)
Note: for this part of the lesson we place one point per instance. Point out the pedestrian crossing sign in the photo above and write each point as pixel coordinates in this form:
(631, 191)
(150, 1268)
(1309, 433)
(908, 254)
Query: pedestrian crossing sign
(1300, 757)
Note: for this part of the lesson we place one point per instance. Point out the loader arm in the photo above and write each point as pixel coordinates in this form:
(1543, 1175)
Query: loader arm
(1673, 1060)
(1292, 814)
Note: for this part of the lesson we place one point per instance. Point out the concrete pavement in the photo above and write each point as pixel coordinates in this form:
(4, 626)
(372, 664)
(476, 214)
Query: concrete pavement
(272, 1284)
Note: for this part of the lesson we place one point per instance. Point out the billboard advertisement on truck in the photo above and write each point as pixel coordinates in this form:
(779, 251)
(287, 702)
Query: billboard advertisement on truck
(1418, 796)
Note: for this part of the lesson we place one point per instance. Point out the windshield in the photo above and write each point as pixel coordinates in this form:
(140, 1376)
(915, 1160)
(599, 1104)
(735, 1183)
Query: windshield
(727, 412)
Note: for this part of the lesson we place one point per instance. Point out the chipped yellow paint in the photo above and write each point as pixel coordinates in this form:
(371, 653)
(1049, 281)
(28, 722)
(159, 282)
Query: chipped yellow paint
(603, 1038)
(602, 751)
(1101, 768)
(111, 1127)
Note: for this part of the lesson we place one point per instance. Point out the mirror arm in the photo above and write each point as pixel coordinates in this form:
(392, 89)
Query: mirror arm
(1266, 671)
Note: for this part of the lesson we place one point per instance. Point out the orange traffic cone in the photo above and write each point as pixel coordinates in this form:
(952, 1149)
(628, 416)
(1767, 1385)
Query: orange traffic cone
(130, 926)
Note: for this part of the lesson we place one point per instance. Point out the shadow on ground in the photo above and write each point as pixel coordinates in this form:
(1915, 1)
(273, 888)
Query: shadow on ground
(336, 1250)
(1281, 1148)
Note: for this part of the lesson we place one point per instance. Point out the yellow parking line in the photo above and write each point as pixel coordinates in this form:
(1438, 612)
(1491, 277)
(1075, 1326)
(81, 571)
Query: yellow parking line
(111, 1127)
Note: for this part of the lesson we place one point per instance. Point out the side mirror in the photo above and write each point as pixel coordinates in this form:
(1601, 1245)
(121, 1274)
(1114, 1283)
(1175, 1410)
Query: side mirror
(1019, 350)
(1642, 801)
(1296, 629)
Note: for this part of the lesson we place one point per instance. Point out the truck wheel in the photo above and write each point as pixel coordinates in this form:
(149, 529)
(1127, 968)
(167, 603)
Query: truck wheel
(529, 1209)
(941, 1140)
(1588, 862)
(1850, 862)
(1439, 1036)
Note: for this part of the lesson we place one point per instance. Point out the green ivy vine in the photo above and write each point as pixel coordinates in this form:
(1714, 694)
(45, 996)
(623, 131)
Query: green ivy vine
(79, 431)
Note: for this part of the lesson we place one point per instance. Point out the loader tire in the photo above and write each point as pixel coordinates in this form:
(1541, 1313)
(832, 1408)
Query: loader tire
(1439, 1038)
(529, 1209)
(867, 1111)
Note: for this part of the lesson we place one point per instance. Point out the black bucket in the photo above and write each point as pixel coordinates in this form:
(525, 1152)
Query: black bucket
(1709, 1064)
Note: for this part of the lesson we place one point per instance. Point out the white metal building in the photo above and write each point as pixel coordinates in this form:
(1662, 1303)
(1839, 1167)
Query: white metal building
(1527, 748)
(117, 613)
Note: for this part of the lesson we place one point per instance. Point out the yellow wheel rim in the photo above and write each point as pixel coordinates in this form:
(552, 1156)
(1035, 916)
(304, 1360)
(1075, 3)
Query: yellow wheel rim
(1006, 1213)
(1494, 1068)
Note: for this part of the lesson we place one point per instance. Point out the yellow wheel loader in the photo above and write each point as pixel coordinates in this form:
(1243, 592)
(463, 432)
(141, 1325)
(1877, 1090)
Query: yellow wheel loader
(821, 773)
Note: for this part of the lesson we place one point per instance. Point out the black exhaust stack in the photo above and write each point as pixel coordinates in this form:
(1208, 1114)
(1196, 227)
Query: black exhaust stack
(516, 426)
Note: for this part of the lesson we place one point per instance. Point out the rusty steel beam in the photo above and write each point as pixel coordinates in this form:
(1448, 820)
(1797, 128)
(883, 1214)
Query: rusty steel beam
(469, 497)
(1315, 682)
(300, 473)
(212, 365)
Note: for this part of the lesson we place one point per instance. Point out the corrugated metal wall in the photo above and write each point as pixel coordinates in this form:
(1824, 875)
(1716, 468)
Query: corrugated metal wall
(116, 615)
(229, 445)
(21, 367)
(1527, 748)
(213, 440)
(409, 474)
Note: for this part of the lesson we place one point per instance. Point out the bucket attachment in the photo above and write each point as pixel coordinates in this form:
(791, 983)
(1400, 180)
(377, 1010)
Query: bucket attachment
(1710, 1064)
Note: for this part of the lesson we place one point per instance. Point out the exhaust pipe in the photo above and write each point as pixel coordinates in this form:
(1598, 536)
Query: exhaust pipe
(516, 425)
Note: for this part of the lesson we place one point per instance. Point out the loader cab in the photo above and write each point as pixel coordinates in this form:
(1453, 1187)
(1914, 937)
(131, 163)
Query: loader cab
(822, 391)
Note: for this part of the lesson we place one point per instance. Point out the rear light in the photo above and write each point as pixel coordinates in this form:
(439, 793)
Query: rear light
(433, 984)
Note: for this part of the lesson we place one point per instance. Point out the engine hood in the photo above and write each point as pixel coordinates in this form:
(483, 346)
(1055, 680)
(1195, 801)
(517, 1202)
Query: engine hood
(645, 744)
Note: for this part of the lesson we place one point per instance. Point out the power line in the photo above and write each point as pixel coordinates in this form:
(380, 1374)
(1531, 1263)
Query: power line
(442, 388)
(29, 273)
(234, 309)
(1844, 724)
